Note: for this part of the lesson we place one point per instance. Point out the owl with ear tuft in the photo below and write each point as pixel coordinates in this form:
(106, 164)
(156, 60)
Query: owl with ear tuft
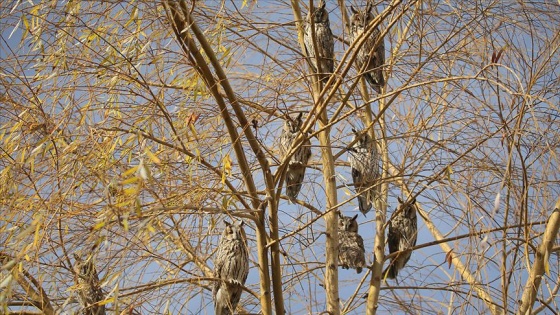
(402, 235)
(89, 287)
(351, 251)
(371, 55)
(298, 161)
(366, 171)
(231, 268)
(320, 52)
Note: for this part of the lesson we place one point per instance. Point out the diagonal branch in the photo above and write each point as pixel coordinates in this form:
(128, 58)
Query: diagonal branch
(182, 23)
(541, 261)
(37, 296)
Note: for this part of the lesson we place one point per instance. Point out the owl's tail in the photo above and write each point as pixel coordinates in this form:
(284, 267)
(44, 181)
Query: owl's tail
(391, 272)
(365, 202)
(369, 199)
(294, 180)
(373, 79)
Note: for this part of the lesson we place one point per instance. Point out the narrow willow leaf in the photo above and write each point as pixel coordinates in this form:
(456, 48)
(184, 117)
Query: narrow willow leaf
(152, 156)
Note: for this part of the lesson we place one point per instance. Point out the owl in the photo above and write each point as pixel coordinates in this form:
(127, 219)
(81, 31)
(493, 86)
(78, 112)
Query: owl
(351, 252)
(371, 57)
(403, 231)
(231, 266)
(298, 161)
(323, 39)
(90, 293)
(366, 171)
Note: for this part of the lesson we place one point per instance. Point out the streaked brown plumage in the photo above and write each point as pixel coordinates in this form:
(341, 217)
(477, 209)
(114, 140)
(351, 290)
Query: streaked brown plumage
(366, 171)
(89, 288)
(351, 251)
(403, 231)
(323, 39)
(298, 162)
(231, 265)
(370, 55)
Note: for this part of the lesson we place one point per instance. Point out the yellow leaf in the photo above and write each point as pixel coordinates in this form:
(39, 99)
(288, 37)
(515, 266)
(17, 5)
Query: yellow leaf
(131, 191)
(99, 225)
(152, 156)
(123, 204)
(227, 164)
(448, 172)
(25, 22)
(130, 171)
(37, 234)
(131, 180)
(107, 301)
(91, 37)
(193, 129)
(212, 223)
(138, 208)
(125, 224)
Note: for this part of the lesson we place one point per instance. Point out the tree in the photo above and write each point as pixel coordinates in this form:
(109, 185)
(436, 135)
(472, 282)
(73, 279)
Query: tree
(130, 130)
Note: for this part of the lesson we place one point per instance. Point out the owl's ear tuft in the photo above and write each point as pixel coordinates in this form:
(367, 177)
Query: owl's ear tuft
(369, 7)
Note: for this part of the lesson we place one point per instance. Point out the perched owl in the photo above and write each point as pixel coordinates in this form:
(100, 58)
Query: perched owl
(323, 39)
(371, 57)
(298, 161)
(351, 252)
(366, 171)
(231, 265)
(89, 288)
(403, 231)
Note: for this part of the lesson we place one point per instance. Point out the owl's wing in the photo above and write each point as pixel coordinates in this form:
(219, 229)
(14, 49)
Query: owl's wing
(393, 238)
(360, 242)
(326, 48)
(380, 52)
(285, 143)
(342, 238)
(218, 270)
(380, 60)
(308, 45)
(357, 177)
(306, 150)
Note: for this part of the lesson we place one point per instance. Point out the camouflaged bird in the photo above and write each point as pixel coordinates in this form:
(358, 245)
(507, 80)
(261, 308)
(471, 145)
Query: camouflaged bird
(298, 161)
(371, 55)
(324, 42)
(366, 171)
(402, 235)
(89, 288)
(351, 251)
(231, 266)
